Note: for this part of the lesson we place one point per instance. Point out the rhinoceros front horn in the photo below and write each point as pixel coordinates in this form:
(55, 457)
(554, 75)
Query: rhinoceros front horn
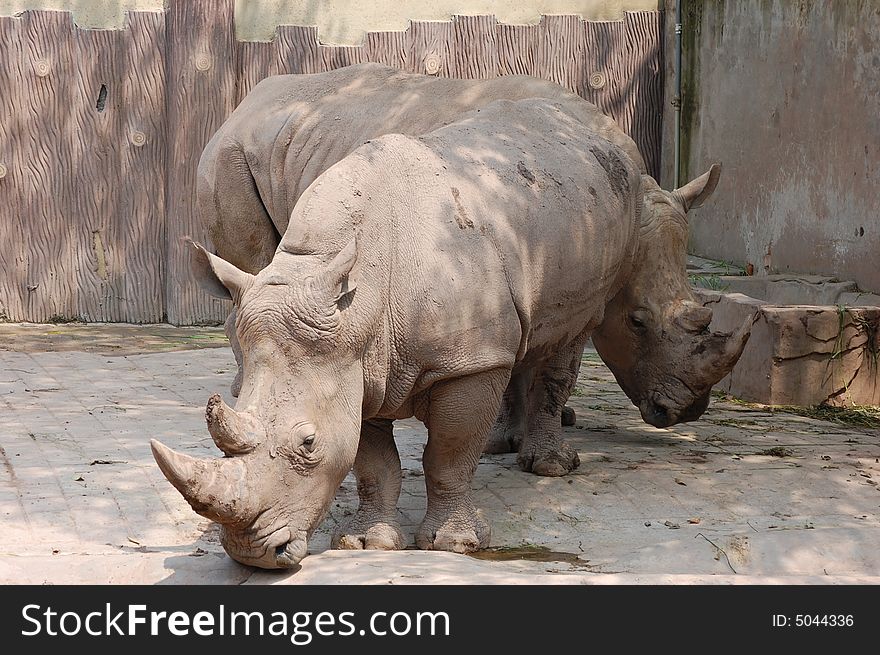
(234, 433)
(214, 488)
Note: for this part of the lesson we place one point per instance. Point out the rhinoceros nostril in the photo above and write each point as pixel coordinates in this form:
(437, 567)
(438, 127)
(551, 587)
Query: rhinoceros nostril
(657, 414)
(661, 414)
(279, 550)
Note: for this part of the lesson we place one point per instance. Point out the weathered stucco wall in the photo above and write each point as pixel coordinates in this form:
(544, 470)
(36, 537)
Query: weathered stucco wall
(787, 96)
(86, 13)
(343, 22)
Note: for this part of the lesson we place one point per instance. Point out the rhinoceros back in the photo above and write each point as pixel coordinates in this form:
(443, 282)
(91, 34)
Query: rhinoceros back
(502, 235)
(291, 128)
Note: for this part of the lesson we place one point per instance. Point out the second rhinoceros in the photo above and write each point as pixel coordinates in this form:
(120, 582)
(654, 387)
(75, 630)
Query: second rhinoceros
(420, 276)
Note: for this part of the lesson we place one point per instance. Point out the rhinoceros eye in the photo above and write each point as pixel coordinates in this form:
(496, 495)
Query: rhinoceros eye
(304, 437)
(301, 448)
(639, 319)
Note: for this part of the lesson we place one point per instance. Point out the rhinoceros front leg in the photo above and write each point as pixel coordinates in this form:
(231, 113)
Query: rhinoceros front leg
(377, 469)
(229, 329)
(459, 416)
(543, 451)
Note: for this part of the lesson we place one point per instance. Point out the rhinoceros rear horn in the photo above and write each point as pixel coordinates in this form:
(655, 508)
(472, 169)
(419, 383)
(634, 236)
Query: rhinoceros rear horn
(696, 192)
(341, 274)
(213, 488)
(234, 433)
(694, 317)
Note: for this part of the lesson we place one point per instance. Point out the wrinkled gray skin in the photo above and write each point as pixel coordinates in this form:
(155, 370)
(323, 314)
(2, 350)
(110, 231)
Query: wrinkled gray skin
(423, 277)
(291, 128)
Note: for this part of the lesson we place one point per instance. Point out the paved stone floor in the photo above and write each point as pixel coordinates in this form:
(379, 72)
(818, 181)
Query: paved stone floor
(742, 495)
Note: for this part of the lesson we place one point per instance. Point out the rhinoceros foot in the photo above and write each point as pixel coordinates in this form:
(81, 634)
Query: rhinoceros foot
(364, 534)
(459, 532)
(569, 417)
(547, 455)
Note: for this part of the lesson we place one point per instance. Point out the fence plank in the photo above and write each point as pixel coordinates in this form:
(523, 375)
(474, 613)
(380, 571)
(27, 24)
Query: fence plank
(13, 254)
(431, 48)
(561, 50)
(142, 168)
(603, 82)
(201, 91)
(339, 56)
(49, 237)
(389, 48)
(297, 50)
(517, 49)
(255, 62)
(91, 190)
(475, 47)
(644, 48)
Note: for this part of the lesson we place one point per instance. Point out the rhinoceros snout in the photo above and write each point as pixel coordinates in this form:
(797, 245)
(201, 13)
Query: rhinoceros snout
(655, 412)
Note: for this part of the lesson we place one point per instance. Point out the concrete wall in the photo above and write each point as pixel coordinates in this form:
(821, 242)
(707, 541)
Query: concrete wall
(787, 96)
(343, 22)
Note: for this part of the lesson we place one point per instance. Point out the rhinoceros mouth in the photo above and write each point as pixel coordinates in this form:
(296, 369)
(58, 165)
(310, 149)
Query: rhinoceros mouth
(290, 554)
(282, 549)
(695, 410)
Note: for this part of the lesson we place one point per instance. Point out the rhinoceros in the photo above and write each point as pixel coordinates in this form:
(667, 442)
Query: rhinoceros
(418, 277)
(291, 128)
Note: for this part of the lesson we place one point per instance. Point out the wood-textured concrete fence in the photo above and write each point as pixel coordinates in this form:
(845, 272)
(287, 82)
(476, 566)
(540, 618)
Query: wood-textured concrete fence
(101, 131)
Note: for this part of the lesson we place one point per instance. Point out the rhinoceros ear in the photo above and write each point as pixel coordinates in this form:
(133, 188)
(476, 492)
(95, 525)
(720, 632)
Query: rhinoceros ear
(696, 192)
(342, 273)
(217, 276)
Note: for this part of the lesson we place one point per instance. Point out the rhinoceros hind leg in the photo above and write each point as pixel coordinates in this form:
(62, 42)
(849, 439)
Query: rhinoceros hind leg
(457, 429)
(377, 468)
